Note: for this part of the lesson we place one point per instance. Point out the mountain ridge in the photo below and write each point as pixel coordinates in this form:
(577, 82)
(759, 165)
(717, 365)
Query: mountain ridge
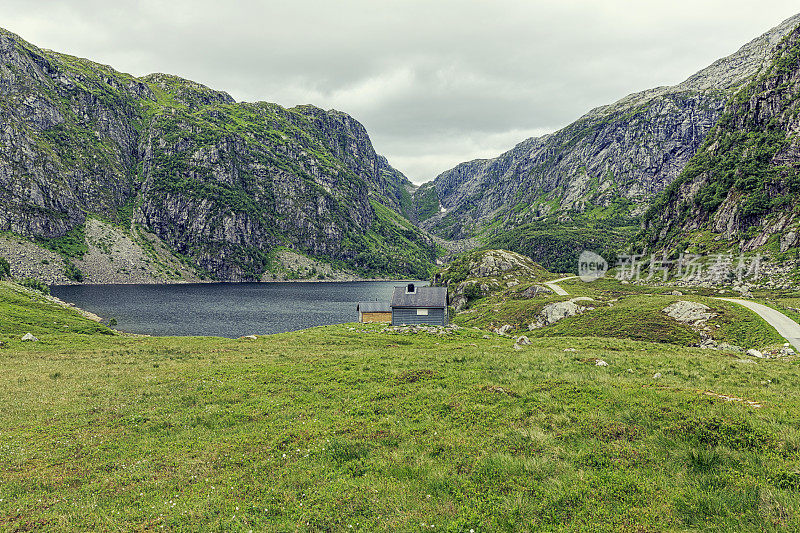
(600, 158)
(222, 183)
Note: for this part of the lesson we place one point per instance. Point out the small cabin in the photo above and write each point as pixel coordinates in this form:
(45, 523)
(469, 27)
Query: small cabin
(419, 305)
(374, 312)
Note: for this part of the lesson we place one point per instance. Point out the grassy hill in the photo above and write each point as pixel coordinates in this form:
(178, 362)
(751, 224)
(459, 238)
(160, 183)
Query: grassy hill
(355, 428)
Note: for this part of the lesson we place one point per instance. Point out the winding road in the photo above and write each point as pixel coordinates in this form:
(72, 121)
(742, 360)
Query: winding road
(786, 327)
(555, 288)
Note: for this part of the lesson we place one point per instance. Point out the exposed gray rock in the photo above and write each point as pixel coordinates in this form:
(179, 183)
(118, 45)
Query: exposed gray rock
(504, 329)
(752, 352)
(600, 362)
(553, 312)
(693, 313)
(29, 337)
(536, 290)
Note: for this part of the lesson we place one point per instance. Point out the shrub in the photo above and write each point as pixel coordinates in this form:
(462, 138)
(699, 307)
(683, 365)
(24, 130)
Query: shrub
(72, 272)
(5, 268)
(35, 284)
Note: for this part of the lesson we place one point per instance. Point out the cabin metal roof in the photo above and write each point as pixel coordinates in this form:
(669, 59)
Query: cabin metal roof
(422, 297)
(374, 307)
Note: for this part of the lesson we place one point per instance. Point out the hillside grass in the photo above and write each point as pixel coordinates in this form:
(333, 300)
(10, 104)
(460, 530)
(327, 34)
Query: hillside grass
(622, 311)
(352, 428)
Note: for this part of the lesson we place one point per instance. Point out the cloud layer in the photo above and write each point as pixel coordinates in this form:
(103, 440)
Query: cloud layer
(435, 83)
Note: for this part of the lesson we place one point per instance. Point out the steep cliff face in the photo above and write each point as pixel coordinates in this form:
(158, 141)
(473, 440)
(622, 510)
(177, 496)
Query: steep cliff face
(618, 156)
(222, 183)
(68, 139)
(743, 186)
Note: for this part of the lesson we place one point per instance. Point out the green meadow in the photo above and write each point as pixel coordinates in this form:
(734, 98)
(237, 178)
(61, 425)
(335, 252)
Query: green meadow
(353, 428)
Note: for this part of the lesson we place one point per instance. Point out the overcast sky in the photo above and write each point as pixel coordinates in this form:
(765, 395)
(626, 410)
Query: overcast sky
(435, 82)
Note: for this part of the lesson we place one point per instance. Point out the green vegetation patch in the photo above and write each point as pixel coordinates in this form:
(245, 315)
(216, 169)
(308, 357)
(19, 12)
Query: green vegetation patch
(70, 245)
(24, 311)
(426, 201)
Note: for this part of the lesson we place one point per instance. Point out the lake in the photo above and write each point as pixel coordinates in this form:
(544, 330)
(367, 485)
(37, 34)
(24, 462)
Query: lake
(226, 309)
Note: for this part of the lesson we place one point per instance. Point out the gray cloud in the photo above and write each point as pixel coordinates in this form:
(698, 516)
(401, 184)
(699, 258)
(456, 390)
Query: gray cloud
(435, 83)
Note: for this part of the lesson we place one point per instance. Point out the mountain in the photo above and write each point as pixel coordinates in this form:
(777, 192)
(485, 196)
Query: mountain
(220, 184)
(743, 186)
(604, 168)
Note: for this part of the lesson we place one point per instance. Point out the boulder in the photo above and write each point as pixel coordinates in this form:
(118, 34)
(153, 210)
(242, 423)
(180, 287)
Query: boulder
(657, 375)
(689, 312)
(29, 337)
(504, 329)
(600, 362)
(676, 293)
(249, 337)
(535, 290)
(752, 352)
(523, 340)
(553, 312)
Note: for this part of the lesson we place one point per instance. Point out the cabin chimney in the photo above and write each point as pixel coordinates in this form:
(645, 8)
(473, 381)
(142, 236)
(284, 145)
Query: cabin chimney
(410, 289)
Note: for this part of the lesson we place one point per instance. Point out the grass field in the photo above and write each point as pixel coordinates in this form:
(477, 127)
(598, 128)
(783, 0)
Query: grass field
(361, 430)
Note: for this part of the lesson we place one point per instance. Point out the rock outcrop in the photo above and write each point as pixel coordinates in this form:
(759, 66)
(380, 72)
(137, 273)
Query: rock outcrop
(484, 272)
(693, 313)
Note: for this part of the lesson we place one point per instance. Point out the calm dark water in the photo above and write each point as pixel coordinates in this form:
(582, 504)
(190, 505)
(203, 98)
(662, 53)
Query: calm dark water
(225, 309)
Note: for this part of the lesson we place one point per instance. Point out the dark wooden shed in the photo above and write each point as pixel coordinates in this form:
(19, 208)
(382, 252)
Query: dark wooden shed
(419, 305)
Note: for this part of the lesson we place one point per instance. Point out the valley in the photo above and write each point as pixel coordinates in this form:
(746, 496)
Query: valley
(658, 392)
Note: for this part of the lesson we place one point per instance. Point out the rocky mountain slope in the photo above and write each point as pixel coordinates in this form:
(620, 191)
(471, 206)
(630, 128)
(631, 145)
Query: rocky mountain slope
(222, 184)
(480, 273)
(609, 164)
(742, 186)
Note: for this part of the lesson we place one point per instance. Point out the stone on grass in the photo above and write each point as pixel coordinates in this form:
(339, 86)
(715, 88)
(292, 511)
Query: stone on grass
(600, 362)
(752, 352)
(523, 340)
(535, 290)
(504, 329)
(689, 312)
(29, 337)
(249, 337)
(657, 375)
(552, 313)
(517, 347)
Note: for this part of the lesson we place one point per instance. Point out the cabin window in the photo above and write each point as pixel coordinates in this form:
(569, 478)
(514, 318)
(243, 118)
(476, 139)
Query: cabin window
(410, 289)
(422, 312)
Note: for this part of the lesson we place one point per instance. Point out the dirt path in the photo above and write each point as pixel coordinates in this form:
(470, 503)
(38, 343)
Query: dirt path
(556, 288)
(785, 326)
